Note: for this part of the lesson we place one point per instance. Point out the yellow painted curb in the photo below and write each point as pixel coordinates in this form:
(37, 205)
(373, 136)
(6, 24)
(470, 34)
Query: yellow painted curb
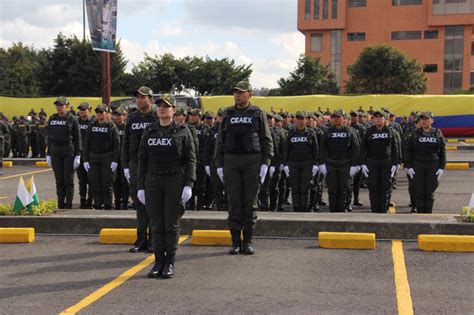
(457, 166)
(117, 236)
(469, 140)
(453, 140)
(7, 163)
(42, 164)
(17, 235)
(346, 240)
(211, 237)
(446, 243)
(451, 148)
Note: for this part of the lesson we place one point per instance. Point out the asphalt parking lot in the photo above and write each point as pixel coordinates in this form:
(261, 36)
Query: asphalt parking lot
(55, 273)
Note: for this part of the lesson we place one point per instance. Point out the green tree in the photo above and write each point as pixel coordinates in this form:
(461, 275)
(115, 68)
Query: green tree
(309, 77)
(18, 68)
(385, 70)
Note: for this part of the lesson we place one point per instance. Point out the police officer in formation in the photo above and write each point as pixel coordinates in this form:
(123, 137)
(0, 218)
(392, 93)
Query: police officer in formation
(4, 132)
(101, 153)
(425, 161)
(244, 149)
(64, 151)
(121, 187)
(210, 167)
(85, 192)
(136, 124)
(198, 200)
(301, 162)
(339, 160)
(380, 157)
(166, 173)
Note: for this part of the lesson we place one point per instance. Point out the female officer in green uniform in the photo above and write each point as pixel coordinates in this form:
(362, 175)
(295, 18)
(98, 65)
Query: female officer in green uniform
(166, 173)
(426, 160)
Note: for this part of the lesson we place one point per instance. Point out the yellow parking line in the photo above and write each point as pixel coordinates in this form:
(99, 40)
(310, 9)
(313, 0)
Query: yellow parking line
(24, 174)
(404, 302)
(96, 295)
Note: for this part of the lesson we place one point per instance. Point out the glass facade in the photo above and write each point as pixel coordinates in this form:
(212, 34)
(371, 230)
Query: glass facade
(406, 35)
(316, 9)
(445, 7)
(453, 58)
(336, 54)
(356, 3)
(355, 37)
(325, 9)
(431, 34)
(334, 9)
(307, 9)
(406, 2)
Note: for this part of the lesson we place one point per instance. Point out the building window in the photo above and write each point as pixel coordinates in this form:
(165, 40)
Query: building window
(356, 3)
(316, 9)
(325, 9)
(307, 9)
(316, 42)
(406, 2)
(453, 58)
(444, 7)
(334, 9)
(356, 37)
(336, 48)
(430, 68)
(431, 34)
(406, 35)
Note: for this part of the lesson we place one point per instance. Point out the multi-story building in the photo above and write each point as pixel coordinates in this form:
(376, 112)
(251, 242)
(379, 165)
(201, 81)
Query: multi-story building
(438, 33)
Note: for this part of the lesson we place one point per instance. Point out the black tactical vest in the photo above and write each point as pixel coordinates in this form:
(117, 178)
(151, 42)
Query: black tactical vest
(427, 145)
(338, 142)
(164, 151)
(379, 143)
(242, 131)
(100, 137)
(59, 130)
(83, 126)
(137, 125)
(299, 146)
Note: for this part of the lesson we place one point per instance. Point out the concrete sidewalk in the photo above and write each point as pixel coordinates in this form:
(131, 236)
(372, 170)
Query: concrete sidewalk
(385, 226)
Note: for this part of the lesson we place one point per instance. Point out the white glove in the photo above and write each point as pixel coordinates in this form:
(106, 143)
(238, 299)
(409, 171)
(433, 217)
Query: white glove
(220, 173)
(208, 170)
(141, 195)
(263, 172)
(323, 170)
(286, 169)
(113, 166)
(281, 167)
(365, 170)
(272, 171)
(410, 172)
(186, 195)
(126, 173)
(393, 170)
(440, 173)
(48, 160)
(87, 166)
(315, 170)
(353, 171)
(77, 161)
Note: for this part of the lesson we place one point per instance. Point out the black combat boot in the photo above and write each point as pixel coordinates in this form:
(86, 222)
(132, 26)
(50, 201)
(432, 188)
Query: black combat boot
(236, 247)
(83, 204)
(157, 269)
(168, 269)
(141, 244)
(248, 249)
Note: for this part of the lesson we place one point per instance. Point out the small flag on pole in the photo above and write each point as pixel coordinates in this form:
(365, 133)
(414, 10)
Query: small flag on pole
(31, 187)
(23, 197)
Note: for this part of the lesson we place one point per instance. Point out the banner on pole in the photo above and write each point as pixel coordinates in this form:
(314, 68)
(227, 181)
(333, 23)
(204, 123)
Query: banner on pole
(102, 16)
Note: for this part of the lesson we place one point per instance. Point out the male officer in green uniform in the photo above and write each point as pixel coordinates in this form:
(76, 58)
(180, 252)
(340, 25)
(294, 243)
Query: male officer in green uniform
(101, 153)
(121, 187)
(64, 151)
(136, 123)
(3, 133)
(23, 131)
(339, 160)
(244, 149)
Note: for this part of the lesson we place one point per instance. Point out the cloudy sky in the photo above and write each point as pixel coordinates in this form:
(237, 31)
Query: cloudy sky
(261, 32)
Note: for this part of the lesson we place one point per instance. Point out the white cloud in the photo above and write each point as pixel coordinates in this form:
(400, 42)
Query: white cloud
(169, 30)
